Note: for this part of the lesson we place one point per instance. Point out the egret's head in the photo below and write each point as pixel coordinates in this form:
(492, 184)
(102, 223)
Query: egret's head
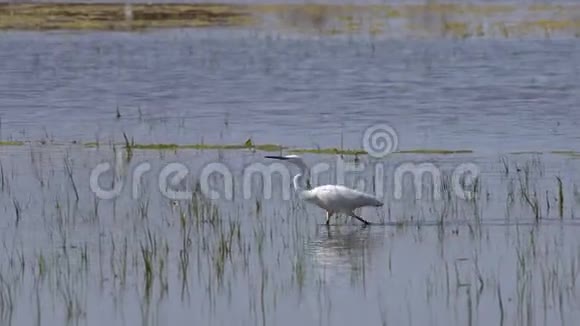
(294, 159)
(290, 158)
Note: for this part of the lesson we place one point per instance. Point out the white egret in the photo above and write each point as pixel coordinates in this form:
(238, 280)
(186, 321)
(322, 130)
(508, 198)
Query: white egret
(335, 199)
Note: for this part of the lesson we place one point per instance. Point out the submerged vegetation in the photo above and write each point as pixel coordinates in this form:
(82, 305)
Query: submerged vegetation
(276, 148)
(11, 143)
(431, 19)
(435, 151)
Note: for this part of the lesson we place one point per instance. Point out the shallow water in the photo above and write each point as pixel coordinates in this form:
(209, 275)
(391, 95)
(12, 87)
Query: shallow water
(507, 255)
(260, 260)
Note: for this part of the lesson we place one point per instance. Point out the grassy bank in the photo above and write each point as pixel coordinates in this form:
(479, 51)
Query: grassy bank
(433, 19)
(117, 16)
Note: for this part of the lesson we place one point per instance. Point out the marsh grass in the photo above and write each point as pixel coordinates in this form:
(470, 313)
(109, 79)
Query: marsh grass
(130, 145)
(568, 153)
(434, 151)
(250, 145)
(11, 143)
(560, 197)
(149, 252)
(6, 300)
(451, 19)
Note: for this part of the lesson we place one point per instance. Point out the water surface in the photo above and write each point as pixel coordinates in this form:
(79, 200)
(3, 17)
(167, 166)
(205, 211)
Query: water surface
(226, 86)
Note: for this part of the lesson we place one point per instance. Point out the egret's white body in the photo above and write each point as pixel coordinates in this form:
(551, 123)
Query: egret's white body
(332, 198)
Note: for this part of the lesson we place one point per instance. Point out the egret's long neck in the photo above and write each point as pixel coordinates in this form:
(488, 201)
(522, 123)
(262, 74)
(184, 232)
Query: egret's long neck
(299, 182)
(300, 179)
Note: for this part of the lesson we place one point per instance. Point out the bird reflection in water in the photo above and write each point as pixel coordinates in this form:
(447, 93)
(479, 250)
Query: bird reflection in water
(343, 254)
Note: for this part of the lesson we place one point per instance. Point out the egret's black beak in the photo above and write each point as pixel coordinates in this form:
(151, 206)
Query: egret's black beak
(276, 157)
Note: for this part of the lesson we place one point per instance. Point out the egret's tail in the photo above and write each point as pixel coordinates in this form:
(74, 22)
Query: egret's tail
(377, 203)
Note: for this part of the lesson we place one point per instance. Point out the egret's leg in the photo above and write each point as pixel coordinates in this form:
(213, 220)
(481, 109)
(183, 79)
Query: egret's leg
(328, 215)
(360, 218)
